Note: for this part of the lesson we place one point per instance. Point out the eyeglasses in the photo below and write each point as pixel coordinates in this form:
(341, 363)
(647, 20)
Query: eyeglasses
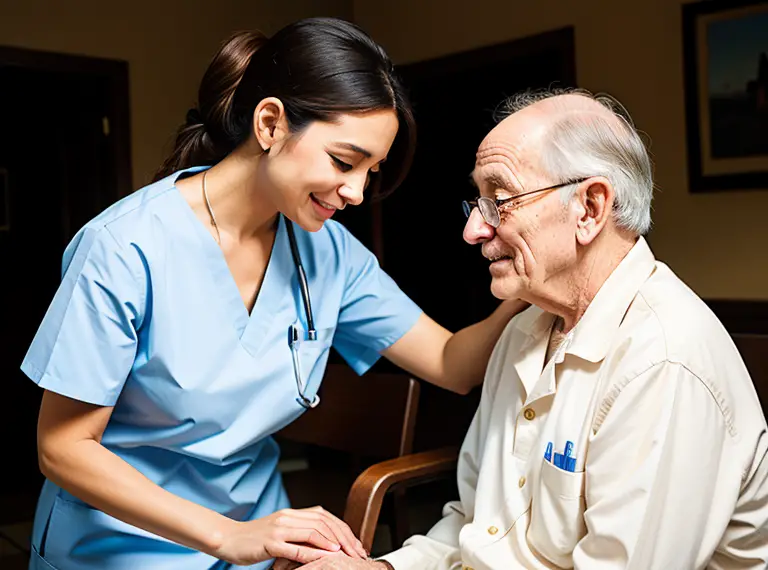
(489, 208)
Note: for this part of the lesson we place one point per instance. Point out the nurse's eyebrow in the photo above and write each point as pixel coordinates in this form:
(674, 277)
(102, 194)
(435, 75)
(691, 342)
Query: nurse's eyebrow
(354, 148)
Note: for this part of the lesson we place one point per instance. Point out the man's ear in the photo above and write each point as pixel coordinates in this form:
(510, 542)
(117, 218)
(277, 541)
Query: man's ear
(595, 197)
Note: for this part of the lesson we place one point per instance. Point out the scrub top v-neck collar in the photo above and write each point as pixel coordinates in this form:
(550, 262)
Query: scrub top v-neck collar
(276, 284)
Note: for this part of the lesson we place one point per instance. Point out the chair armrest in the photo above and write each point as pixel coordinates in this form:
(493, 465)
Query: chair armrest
(367, 493)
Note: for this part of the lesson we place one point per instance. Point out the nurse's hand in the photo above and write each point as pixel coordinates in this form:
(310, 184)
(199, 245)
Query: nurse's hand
(302, 535)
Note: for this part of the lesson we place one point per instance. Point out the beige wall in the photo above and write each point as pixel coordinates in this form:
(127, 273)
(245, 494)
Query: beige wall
(631, 49)
(167, 44)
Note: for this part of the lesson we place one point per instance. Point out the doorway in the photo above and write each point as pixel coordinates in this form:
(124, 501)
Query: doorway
(64, 157)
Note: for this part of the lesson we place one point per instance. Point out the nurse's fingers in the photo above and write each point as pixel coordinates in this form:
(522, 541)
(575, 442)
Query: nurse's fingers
(294, 519)
(297, 529)
(296, 552)
(319, 518)
(349, 542)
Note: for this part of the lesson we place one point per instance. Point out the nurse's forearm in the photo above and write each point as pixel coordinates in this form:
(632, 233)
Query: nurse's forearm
(70, 453)
(467, 352)
(100, 478)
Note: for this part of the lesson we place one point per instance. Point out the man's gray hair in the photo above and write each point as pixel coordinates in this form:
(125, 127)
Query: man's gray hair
(581, 144)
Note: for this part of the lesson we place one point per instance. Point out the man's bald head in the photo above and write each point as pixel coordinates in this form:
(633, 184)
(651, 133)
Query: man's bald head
(571, 134)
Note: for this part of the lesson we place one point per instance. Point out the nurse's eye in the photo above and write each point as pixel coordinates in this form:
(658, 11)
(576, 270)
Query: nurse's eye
(340, 164)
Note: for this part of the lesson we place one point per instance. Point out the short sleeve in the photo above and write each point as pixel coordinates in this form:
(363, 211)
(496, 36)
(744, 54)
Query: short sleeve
(86, 344)
(374, 312)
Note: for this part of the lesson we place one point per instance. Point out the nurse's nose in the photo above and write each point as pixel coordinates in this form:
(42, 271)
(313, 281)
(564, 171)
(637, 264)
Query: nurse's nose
(476, 230)
(352, 192)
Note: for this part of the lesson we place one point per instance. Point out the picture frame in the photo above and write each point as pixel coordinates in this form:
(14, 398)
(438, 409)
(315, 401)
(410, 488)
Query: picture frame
(725, 58)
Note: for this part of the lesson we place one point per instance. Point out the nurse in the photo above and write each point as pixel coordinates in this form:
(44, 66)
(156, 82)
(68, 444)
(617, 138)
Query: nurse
(195, 316)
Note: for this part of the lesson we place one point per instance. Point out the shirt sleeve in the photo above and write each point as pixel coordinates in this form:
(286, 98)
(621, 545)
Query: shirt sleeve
(374, 312)
(86, 345)
(656, 466)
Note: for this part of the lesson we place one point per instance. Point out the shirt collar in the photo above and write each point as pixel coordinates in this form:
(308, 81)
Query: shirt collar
(594, 333)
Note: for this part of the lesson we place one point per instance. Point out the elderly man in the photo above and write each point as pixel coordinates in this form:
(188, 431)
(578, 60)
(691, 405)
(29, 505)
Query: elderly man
(618, 427)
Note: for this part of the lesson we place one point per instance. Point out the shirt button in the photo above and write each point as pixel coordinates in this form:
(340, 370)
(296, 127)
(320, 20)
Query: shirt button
(529, 414)
(492, 530)
(521, 482)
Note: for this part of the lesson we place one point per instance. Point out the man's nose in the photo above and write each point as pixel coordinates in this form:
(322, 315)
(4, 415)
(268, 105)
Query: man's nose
(477, 230)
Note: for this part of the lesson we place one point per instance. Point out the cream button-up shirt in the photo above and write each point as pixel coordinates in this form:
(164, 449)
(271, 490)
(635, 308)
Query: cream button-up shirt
(668, 436)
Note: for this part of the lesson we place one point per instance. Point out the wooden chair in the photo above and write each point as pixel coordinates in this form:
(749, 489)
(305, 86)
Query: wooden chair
(365, 499)
(366, 420)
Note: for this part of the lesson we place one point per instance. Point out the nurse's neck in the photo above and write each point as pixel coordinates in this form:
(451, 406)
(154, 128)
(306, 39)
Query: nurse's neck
(240, 207)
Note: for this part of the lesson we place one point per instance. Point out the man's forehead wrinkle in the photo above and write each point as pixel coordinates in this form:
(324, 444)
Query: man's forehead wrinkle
(502, 152)
(510, 158)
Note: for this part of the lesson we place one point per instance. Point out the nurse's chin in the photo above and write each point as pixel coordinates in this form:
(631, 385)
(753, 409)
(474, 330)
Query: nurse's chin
(306, 221)
(311, 225)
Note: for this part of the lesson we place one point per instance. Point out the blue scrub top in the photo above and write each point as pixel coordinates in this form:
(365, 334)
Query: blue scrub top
(148, 319)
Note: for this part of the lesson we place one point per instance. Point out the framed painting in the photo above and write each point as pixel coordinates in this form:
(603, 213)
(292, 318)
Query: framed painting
(725, 56)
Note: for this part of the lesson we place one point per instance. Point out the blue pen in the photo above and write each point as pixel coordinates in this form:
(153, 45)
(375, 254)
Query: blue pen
(548, 452)
(559, 461)
(569, 463)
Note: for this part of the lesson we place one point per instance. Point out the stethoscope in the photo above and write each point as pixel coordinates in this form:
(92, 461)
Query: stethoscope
(293, 331)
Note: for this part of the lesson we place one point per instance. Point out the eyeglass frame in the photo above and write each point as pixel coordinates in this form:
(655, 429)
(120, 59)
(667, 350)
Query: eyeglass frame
(469, 205)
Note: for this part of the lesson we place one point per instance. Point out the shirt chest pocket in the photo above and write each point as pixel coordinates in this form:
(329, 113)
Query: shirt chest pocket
(557, 514)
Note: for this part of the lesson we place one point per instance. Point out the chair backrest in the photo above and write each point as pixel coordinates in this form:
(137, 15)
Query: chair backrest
(373, 415)
(754, 352)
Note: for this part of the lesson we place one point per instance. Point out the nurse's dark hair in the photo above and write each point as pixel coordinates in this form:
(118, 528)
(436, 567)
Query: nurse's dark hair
(318, 67)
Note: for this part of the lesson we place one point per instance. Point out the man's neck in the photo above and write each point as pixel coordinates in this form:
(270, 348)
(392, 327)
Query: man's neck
(571, 294)
(556, 338)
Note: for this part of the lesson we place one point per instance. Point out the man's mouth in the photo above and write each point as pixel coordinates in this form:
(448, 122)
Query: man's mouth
(500, 257)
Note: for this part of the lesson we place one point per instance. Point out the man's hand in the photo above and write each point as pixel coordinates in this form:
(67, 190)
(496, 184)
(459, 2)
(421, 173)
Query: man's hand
(334, 562)
(283, 564)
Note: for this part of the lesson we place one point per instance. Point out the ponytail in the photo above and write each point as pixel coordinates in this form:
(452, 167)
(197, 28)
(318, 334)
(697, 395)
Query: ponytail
(207, 135)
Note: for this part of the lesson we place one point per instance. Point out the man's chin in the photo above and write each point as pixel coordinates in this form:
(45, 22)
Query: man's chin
(505, 289)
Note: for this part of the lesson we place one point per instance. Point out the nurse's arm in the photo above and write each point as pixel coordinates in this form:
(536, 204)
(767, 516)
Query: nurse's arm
(71, 455)
(455, 361)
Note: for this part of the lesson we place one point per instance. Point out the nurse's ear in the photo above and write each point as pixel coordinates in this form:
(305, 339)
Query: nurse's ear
(270, 125)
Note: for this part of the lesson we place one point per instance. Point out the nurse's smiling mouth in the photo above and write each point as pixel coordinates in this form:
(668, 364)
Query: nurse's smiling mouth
(323, 209)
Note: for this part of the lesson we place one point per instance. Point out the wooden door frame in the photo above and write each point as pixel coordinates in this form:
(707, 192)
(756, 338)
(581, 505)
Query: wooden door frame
(116, 73)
